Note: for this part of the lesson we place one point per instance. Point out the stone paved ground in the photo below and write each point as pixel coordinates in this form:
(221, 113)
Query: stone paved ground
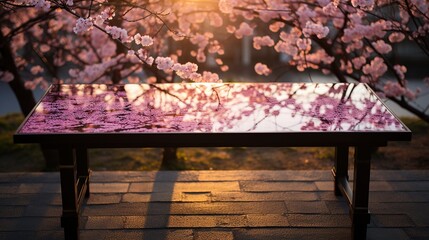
(221, 205)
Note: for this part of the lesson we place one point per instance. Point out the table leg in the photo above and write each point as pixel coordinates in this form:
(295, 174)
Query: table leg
(82, 168)
(360, 215)
(340, 170)
(70, 215)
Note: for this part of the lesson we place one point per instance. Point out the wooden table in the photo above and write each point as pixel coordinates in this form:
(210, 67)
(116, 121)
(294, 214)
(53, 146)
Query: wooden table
(73, 118)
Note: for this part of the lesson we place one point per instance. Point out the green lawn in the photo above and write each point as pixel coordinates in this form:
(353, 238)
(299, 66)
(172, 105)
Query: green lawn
(398, 155)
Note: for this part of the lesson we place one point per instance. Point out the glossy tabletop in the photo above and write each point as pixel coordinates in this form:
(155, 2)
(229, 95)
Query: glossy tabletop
(191, 109)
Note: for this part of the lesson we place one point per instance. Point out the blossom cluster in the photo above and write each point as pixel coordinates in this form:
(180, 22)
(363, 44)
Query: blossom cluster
(243, 30)
(376, 68)
(258, 42)
(262, 69)
(83, 25)
(118, 33)
(106, 14)
(38, 4)
(364, 4)
(315, 28)
(186, 71)
(6, 76)
(145, 40)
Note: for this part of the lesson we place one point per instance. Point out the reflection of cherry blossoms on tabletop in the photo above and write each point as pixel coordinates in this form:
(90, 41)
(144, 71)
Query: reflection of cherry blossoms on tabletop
(209, 108)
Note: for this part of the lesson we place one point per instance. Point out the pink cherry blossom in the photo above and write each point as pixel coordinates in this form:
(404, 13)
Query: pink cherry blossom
(226, 6)
(396, 37)
(243, 30)
(36, 70)
(314, 28)
(400, 70)
(145, 40)
(376, 68)
(164, 63)
(276, 26)
(118, 33)
(364, 4)
(358, 62)
(259, 42)
(393, 89)
(6, 76)
(83, 25)
(262, 69)
(43, 5)
(382, 47)
(303, 44)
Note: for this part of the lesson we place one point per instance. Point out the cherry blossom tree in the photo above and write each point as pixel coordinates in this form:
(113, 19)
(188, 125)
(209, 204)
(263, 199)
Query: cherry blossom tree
(101, 41)
(73, 41)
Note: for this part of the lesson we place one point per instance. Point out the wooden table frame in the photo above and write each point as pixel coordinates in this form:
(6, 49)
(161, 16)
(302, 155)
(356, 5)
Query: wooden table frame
(75, 174)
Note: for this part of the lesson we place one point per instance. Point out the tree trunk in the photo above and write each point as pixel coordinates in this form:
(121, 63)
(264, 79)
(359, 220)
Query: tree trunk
(24, 96)
(169, 159)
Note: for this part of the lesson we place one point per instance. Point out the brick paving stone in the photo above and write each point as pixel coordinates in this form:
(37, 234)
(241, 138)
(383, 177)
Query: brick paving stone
(418, 212)
(337, 207)
(11, 211)
(43, 210)
(398, 207)
(330, 196)
(109, 187)
(9, 188)
(185, 221)
(39, 177)
(292, 233)
(267, 220)
(39, 188)
(197, 208)
(315, 220)
(410, 197)
(6, 177)
(276, 186)
(15, 199)
(145, 176)
(213, 235)
(265, 175)
(419, 233)
(402, 175)
(263, 196)
(380, 186)
(392, 220)
(146, 222)
(176, 176)
(122, 209)
(374, 186)
(137, 234)
(33, 235)
(184, 187)
(414, 186)
(151, 197)
(225, 207)
(97, 198)
(105, 222)
(30, 224)
(205, 221)
(196, 197)
(325, 185)
(45, 199)
(306, 207)
(386, 234)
